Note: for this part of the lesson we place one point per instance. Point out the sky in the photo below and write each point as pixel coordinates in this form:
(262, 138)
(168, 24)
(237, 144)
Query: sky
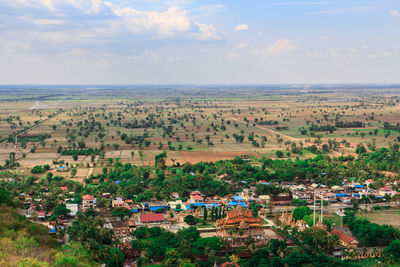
(199, 42)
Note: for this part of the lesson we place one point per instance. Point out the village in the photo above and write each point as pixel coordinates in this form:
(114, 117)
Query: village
(243, 219)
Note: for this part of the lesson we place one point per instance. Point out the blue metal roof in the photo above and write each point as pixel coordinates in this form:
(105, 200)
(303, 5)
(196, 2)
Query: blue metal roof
(158, 207)
(237, 198)
(235, 203)
(342, 195)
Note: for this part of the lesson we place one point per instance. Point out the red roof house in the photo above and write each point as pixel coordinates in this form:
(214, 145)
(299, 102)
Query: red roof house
(152, 218)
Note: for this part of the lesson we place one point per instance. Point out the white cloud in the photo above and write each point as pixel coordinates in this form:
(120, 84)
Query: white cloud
(387, 54)
(241, 45)
(207, 31)
(174, 59)
(77, 52)
(165, 23)
(282, 46)
(48, 22)
(279, 47)
(101, 18)
(171, 22)
(241, 27)
(394, 13)
(232, 55)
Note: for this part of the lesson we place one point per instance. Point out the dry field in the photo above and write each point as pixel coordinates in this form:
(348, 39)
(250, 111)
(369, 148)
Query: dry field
(193, 130)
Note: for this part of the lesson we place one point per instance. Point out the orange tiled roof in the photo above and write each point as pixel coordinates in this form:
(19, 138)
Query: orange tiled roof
(343, 236)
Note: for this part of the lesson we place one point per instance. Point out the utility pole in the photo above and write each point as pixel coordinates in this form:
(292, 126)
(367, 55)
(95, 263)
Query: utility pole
(314, 208)
(322, 208)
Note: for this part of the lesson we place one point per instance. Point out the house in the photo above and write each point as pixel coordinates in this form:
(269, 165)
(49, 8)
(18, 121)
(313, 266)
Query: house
(106, 195)
(31, 212)
(195, 193)
(88, 201)
(135, 208)
(154, 218)
(175, 195)
(369, 182)
(281, 200)
(155, 205)
(264, 198)
(345, 239)
(41, 215)
(387, 190)
(123, 228)
(174, 204)
(223, 176)
(62, 169)
(73, 208)
(118, 203)
(196, 199)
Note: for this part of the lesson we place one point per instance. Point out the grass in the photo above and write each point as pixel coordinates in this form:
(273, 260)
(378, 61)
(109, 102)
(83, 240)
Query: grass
(384, 217)
(206, 225)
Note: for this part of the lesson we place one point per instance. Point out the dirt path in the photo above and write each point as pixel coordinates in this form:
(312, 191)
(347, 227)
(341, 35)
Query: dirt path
(274, 133)
(89, 173)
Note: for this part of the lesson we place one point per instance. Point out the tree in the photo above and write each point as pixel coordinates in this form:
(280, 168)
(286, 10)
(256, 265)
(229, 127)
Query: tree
(360, 149)
(279, 154)
(115, 258)
(92, 233)
(300, 212)
(160, 159)
(172, 258)
(205, 214)
(59, 210)
(121, 212)
(189, 235)
(81, 144)
(115, 146)
(73, 172)
(355, 203)
(349, 216)
(190, 219)
(5, 196)
(207, 244)
(276, 247)
(393, 250)
(316, 240)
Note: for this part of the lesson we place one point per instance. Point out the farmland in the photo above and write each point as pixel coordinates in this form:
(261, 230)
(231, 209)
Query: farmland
(55, 127)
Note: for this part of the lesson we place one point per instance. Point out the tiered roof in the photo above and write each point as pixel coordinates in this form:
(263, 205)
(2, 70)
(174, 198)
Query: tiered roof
(240, 218)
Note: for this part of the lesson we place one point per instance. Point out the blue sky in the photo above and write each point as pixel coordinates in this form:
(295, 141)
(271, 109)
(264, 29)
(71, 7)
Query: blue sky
(199, 42)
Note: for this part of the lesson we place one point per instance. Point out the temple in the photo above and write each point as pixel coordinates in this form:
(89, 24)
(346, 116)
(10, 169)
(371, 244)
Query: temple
(239, 228)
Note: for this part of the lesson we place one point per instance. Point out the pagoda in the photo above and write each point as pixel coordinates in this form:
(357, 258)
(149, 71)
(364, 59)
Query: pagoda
(240, 229)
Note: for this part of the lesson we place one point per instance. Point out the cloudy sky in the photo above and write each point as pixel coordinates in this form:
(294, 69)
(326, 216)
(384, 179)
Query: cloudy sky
(199, 42)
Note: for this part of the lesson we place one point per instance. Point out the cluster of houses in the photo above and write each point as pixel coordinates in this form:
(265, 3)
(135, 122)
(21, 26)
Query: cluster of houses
(341, 194)
(299, 190)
